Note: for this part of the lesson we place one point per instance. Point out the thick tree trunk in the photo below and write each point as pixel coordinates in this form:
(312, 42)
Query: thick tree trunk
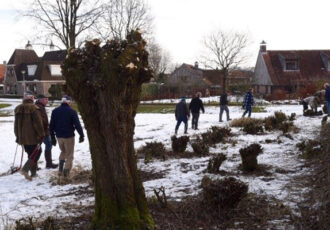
(106, 83)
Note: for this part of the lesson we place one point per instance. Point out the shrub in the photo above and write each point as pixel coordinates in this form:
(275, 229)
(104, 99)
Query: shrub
(200, 147)
(216, 135)
(215, 163)
(242, 121)
(179, 145)
(253, 128)
(222, 194)
(274, 122)
(309, 148)
(292, 117)
(286, 127)
(249, 156)
(152, 150)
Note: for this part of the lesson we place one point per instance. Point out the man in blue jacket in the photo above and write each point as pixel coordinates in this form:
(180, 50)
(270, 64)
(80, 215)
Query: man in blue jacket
(64, 121)
(248, 102)
(327, 96)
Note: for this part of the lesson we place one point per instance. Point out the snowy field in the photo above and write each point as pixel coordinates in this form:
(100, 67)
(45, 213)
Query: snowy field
(21, 198)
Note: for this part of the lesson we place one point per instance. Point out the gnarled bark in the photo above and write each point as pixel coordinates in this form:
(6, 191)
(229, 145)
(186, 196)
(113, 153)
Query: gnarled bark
(106, 83)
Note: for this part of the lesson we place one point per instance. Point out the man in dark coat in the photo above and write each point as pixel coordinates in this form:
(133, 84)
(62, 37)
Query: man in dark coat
(41, 102)
(29, 132)
(181, 115)
(64, 121)
(327, 96)
(195, 106)
(248, 102)
(224, 106)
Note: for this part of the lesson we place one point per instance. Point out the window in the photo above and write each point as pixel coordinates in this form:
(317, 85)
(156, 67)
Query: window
(291, 64)
(55, 70)
(31, 70)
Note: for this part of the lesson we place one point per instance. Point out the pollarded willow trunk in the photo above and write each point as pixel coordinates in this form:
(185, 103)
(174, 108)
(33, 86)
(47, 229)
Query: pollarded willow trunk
(106, 83)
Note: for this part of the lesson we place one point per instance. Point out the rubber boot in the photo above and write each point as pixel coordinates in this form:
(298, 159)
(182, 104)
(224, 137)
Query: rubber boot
(33, 170)
(186, 129)
(176, 131)
(60, 168)
(49, 161)
(26, 168)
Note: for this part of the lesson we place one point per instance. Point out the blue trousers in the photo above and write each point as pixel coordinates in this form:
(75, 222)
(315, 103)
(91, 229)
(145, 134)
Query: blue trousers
(248, 109)
(48, 143)
(184, 120)
(328, 108)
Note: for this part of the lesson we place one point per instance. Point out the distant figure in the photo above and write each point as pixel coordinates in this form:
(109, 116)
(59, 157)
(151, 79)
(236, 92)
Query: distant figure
(195, 106)
(41, 102)
(64, 121)
(224, 106)
(29, 132)
(312, 101)
(248, 102)
(327, 96)
(181, 115)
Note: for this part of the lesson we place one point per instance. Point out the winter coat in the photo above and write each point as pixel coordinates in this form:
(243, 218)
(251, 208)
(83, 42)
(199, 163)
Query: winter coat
(248, 100)
(181, 110)
(44, 117)
(327, 93)
(312, 101)
(28, 126)
(64, 121)
(223, 99)
(196, 105)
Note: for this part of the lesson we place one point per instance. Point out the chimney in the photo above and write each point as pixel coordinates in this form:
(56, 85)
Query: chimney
(28, 46)
(196, 64)
(263, 47)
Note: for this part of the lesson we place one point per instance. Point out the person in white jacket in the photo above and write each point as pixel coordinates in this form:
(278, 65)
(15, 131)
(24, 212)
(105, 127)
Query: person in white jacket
(312, 101)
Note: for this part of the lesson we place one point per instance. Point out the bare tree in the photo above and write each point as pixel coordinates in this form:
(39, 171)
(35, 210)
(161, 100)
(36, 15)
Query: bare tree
(65, 20)
(225, 51)
(122, 16)
(159, 59)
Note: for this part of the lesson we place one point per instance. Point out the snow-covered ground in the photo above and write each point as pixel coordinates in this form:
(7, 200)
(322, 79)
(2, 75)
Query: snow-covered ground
(21, 198)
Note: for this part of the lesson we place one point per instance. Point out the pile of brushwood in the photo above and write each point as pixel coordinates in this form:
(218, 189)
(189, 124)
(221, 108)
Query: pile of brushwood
(179, 144)
(216, 135)
(215, 163)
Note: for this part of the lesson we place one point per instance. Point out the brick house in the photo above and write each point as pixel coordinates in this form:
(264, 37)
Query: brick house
(192, 78)
(289, 70)
(3, 68)
(36, 74)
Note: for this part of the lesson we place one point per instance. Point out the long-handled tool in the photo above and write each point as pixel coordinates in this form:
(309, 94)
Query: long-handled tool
(14, 168)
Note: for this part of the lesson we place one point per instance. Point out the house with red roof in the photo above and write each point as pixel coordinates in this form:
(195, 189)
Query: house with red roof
(289, 70)
(28, 72)
(191, 78)
(3, 68)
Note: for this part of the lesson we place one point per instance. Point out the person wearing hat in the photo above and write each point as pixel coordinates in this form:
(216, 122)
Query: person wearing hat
(29, 132)
(182, 115)
(41, 102)
(63, 122)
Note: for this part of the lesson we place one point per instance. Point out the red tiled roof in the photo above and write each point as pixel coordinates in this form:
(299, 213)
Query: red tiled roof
(311, 66)
(2, 72)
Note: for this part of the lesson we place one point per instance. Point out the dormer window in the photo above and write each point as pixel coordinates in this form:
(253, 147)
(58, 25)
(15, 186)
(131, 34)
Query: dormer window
(55, 70)
(31, 70)
(291, 65)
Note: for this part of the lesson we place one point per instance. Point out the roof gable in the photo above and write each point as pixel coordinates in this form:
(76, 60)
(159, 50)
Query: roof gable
(23, 56)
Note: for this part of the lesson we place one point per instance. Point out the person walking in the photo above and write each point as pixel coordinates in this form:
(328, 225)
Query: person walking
(63, 122)
(41, 102)
(182, 115)
(248, 103)
(224, 106)
(29, 132)
(327, 96)
(195, 106)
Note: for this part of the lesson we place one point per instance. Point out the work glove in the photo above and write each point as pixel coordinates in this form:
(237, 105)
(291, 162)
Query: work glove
(81, 139)
(53, 140)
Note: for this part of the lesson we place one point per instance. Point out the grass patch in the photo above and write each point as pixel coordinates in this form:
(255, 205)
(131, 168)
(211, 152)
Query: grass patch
(4, 106)
(5, 114)
(156, 108)
(258, 109)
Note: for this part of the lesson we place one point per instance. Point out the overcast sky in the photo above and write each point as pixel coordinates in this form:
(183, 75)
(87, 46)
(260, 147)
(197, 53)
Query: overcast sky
(180, 25)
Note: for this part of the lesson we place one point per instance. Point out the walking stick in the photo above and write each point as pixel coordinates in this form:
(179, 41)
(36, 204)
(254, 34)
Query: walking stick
(14, 169)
